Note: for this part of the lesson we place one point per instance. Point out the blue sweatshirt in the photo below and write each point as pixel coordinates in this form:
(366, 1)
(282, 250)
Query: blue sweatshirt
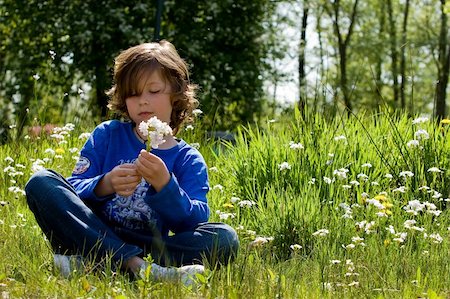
(179, 206)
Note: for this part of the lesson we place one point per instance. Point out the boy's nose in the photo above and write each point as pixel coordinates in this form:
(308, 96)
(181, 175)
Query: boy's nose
(144, 99)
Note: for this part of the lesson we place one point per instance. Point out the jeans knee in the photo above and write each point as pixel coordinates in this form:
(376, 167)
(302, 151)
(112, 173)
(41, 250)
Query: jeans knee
(228, 242)
(38, 183)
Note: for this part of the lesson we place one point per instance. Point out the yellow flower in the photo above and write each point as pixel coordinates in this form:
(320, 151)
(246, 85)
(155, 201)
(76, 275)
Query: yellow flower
(387, 242)
(445, 121)
(228, 205)
(388, 212)
(387, 205)
(381, 197)
(60, 151)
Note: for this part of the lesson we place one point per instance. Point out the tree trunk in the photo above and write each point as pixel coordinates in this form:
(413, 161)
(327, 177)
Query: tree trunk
(403, 56)
(443, 66)
(394, 53)
(342, 47)
(301, 63)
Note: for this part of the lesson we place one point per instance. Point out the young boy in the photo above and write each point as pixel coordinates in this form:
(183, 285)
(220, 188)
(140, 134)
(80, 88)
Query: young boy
(121, 200)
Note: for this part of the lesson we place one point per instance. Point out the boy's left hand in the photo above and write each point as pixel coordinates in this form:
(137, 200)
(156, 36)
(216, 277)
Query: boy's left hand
(153, 170)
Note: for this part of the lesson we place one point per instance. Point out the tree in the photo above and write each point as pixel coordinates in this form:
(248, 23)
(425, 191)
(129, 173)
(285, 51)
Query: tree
(343, 41)
(443, 63)
(301, 59)
(393, 46)
(224, 43)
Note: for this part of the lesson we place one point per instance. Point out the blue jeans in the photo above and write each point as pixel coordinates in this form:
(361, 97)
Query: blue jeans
(73, 227)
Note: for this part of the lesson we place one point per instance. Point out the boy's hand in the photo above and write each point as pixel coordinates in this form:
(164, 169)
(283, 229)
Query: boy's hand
(123, 179)
(153, 170)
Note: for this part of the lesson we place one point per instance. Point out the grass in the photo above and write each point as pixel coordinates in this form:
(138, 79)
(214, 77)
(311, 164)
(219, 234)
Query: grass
(320, 207)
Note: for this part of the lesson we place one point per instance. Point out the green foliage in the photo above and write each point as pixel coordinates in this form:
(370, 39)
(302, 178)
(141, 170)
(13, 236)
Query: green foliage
(225, 42)
(362, 255)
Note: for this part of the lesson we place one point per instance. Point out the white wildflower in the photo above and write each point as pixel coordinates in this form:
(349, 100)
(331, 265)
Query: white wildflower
(260, 241)
(197, 112)
(155, 130)
(321, 232)
(414, 207)
(327, 180)
(413, 143)
(341, 173)
(284, 166)
(420, 120)
(295, 247)
(362, 176)
(434, 169)
(366, 165)
(421, 134)
(340, 137)
(213, 169)
(406, 174)
(436, 238)
(295, 146)
(401, 189)
(84, 136)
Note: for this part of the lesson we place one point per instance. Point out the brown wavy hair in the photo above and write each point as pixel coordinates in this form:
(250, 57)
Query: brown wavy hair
(136, 63)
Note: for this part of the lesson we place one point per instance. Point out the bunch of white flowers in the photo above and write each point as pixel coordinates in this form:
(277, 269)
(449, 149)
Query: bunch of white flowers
(154, 130)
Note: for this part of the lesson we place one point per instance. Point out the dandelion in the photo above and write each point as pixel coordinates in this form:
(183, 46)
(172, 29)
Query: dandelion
(155, 130)
(434, 170)
(284, 166)
(445, 121)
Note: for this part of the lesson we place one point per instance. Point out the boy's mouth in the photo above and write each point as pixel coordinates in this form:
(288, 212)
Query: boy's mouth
(145, 114)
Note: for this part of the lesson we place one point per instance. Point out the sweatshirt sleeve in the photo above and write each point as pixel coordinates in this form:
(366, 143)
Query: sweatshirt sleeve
(88, 169)
(182, 203)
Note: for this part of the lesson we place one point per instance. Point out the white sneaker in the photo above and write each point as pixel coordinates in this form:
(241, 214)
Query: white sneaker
(185, 274)
(66, 264)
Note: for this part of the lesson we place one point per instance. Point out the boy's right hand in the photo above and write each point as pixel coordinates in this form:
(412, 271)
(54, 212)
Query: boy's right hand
(122, 179)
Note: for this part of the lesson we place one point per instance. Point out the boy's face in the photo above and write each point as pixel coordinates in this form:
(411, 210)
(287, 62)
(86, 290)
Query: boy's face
(154, 100)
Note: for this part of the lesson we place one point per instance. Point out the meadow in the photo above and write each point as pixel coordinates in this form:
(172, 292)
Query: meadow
(353, 207)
